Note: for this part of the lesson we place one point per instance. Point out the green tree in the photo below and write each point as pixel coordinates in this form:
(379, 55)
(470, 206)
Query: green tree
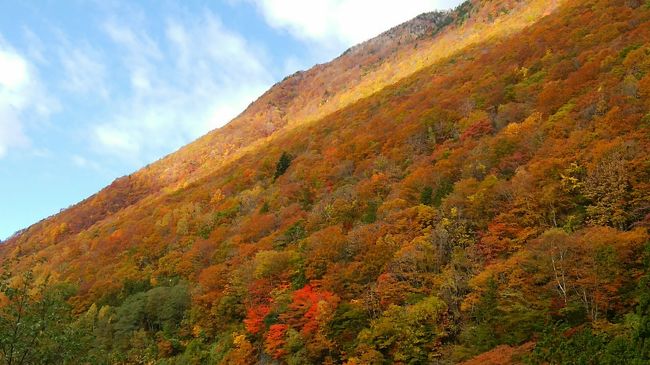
(589, 346)
(409, 334)
(482, 336)
(638, 349)
(426, 196)
(36, 322)
(282, 165)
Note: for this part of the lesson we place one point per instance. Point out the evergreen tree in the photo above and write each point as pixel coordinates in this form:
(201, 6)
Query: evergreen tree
(282, 165)
(426, 196)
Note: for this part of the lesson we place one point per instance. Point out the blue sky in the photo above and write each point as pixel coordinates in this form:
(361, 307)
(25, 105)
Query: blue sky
(93, 90)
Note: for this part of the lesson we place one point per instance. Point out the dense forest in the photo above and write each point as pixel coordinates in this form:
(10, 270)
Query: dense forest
(481, 203)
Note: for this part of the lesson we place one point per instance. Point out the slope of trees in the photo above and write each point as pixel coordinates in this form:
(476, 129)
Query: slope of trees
(491, 207)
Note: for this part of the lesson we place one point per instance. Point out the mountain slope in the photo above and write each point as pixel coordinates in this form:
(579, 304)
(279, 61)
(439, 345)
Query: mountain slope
(308, 96)
(452, 204)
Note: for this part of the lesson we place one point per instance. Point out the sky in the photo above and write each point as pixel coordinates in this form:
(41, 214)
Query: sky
(93, 90)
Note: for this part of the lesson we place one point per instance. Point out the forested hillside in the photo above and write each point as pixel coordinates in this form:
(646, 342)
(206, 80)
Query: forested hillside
(471, 186)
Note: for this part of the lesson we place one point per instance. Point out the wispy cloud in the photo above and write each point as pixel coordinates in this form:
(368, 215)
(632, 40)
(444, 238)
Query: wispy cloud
(21, 96)
(341, 23)
(85, 163)
(84, 71)
(196, 77)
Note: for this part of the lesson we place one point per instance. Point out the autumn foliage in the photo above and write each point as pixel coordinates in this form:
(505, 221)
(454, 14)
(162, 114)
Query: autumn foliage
(475, 190)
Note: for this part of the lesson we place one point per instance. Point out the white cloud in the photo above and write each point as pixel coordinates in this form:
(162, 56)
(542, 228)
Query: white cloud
(35, 47)
(13, 70)
(20, 96)
(342, 23)
(11, 130)
(139, 51)
(138, 45)
(84, 71)
(194, 78)
(85, 163)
